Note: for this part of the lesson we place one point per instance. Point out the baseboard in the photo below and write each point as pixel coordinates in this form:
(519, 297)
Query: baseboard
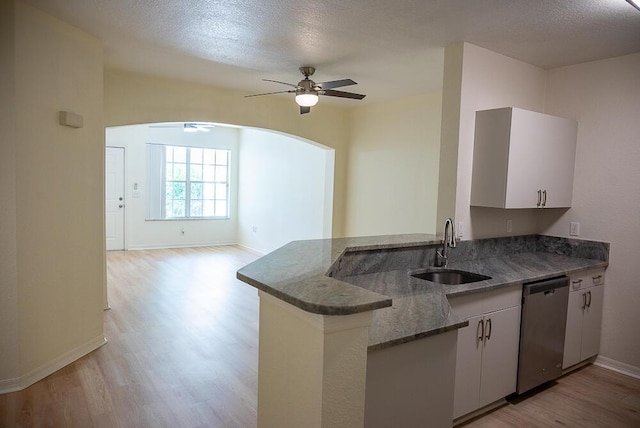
(479, 412)
(22, 382)
(246, 247)
(618, 366)
(10, 385)
(186, 245)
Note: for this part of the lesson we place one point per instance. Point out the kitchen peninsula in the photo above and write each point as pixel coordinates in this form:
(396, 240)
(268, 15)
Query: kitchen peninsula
(343, 325)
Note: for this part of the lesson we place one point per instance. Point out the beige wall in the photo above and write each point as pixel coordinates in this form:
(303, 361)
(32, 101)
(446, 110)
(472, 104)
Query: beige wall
(59, 190)
(8, 244)
(604, 96)
(133, 98)
(392, 176)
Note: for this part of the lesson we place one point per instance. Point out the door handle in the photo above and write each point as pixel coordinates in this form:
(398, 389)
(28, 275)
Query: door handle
(488, 336)
(539, 198)
(544, 198)
(481, 328)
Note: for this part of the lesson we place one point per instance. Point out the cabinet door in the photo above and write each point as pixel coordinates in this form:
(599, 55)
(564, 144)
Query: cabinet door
(527, 149)
(573, 334)
(468, 366)
(558, 160)
(592, 322)
(500, 355)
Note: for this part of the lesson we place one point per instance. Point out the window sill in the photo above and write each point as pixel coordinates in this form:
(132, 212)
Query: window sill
(187, 219)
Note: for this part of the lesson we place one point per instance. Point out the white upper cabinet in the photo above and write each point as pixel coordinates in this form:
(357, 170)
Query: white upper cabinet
(523, 159)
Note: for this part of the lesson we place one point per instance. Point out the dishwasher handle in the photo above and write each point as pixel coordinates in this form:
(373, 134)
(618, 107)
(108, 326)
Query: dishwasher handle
(546, 286)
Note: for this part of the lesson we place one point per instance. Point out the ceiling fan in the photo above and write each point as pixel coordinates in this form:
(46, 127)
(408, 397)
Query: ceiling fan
(186, 126)
(307, 90)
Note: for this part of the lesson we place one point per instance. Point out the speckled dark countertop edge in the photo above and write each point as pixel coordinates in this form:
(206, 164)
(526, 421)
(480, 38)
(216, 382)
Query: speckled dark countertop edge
(297, 273)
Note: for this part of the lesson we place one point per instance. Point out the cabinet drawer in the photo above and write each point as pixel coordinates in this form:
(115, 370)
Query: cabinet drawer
(590, 278)
(481, 303)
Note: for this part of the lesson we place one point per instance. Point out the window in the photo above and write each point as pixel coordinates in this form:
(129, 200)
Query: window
(187, 182)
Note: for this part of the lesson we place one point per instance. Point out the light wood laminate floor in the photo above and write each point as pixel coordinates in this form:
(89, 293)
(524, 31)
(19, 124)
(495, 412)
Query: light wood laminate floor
(182, 352)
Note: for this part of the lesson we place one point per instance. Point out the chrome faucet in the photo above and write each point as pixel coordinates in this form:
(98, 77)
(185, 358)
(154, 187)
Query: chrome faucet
(448, 241)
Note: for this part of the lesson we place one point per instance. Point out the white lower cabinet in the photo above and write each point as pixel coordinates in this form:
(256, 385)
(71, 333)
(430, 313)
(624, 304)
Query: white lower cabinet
(487, 354)
(584, 318)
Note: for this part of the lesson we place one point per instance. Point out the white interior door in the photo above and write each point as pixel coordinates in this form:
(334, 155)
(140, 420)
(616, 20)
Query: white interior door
(114, 194)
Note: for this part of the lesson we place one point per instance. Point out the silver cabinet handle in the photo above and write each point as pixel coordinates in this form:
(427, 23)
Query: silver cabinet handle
(584, 300)
(544, 198)
(488, 336)
(481, 328)
(597, 280)
(589, 301)
(539, 198)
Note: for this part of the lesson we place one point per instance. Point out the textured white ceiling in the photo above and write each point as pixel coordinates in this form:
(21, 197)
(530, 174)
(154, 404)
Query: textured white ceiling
(391, 48)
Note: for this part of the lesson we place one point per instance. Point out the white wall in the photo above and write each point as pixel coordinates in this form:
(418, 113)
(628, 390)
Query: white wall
(490, 80)
(604, 96)
(285, 192)
(142, 233)
(392, 181)
(54, 216)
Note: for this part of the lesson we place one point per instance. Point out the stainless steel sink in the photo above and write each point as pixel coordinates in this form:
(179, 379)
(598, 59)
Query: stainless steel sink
(449, 276)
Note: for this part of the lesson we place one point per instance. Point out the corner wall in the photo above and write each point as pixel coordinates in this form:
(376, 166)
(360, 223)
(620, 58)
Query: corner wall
(285, 190)
(604, 96)
(9, 351)
(59, 199)
(488, 80)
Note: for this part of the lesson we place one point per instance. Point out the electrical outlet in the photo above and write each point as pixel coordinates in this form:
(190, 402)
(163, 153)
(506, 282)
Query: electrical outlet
(254, 229)
(509, 226)
(574, 228)
(459, 229)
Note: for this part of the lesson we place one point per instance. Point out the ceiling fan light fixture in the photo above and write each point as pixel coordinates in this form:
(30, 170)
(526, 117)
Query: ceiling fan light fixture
(307, 99)
(634, 3)
(190, 127)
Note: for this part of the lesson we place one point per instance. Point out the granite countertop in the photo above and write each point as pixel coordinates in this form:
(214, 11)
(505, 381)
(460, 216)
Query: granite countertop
(297, 273)
(404, 308)
(421, 308)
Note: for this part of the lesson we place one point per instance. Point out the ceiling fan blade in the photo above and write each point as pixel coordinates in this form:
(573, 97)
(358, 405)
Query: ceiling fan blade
(268, 93)
(341, 94)
(304, 110)
(335, 84)
(282, 83)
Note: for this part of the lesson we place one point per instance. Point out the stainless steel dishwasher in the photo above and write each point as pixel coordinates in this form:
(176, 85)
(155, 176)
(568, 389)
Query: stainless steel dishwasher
(542, 329)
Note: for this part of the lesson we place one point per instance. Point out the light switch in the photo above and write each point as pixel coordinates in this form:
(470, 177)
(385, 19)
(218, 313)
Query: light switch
(574, 228)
